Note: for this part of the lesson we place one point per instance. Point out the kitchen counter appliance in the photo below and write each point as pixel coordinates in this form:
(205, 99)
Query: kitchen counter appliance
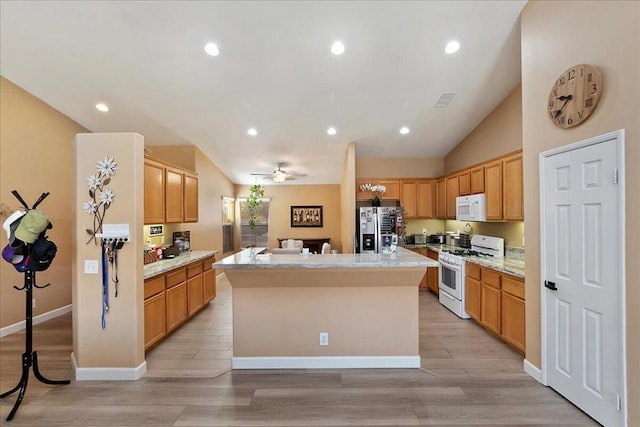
(451, 271)
(471, 208)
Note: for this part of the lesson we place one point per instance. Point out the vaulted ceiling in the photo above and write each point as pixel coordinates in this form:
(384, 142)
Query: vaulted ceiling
(274, 73)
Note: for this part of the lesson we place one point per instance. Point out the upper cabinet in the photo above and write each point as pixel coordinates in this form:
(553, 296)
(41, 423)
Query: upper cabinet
(512, 187)
(174, 195)
(153, 192)
(464, 182)
(417, 198)
(392, 188)
(453, 191)
(477, 179)
(441, 198)
(190, 198)
(504, 188)
(170, 194)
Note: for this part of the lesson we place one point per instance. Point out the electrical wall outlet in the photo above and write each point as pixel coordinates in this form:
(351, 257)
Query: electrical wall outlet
(91, 266)
(424, 231)
(33, 303)
(324, 338)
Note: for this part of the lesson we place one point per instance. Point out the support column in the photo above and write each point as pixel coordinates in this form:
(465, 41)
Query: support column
(117, 351)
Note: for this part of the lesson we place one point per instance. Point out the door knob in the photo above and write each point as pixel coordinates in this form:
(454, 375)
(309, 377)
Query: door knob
(550, 285)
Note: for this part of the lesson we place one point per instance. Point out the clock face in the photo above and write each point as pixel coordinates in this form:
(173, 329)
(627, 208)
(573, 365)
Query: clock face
(574, 96)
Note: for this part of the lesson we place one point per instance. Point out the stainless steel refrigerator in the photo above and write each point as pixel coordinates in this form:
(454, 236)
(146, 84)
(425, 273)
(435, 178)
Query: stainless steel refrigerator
(376, 226)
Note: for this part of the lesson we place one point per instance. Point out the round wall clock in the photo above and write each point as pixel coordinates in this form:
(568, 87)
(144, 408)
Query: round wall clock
(574, 95)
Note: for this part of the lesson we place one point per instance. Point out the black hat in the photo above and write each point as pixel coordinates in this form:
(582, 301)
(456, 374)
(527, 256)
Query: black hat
(42, 253)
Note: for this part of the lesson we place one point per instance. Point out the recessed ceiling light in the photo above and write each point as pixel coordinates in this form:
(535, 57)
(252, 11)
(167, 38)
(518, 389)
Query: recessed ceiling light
(452, 47)
(404, 130)
(212, 49)
(337, 48)
(252, 131)
(102, 107)
(332, 131)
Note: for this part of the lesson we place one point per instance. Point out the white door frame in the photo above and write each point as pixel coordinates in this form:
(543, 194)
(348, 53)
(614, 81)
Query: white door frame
(617, 135)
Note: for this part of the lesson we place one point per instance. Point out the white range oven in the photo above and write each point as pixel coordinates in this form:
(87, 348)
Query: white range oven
(451, 281)
(451, 270)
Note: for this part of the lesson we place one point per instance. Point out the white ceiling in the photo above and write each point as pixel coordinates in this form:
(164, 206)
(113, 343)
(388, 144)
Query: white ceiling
(275, 72)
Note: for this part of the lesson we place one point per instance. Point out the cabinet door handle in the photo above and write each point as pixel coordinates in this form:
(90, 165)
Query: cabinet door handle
(550, 285)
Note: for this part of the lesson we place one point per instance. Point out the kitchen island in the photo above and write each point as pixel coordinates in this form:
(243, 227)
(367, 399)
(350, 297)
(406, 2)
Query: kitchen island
(325, 311)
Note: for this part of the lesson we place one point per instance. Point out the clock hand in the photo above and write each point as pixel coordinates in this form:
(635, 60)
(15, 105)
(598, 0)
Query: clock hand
(566, 99)
(563, 97)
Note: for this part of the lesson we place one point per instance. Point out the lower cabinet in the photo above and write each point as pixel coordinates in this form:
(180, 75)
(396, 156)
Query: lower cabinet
(432, 273)
(172, 297)
(176, 306)
(209, 279)
(496, 301)
(513, 315)
(154, 319)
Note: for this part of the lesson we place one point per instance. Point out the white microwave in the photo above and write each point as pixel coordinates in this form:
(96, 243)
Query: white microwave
(471, 208)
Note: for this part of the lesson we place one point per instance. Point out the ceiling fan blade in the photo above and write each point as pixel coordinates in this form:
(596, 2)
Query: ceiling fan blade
(296, 174)
(261, 174)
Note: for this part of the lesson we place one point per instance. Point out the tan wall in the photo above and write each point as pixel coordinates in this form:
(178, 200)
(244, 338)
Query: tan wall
(433, 226)
(183, 156)
(121, 343)
(36, 154)
(348, 200)
(607, 35)
(499, 133)
(511, 232)
(284, 196)
(370, 167)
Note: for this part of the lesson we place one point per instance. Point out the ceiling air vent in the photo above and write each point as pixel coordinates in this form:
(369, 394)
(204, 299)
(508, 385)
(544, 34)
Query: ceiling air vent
(444, 99)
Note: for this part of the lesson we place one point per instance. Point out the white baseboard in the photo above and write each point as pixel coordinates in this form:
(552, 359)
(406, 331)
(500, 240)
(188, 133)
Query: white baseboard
(108, 374)
(8, 330)
(336, 362)
(532, 370)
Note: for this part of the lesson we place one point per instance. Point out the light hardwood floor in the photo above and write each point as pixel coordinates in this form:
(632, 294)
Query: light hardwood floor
(468, 378)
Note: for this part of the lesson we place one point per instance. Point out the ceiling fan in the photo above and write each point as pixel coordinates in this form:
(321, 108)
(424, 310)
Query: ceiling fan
(279, 175)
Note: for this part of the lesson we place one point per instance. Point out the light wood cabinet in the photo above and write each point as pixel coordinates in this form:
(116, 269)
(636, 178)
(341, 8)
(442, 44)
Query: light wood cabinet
(453, 191)
(209, 285)
(496, 301)
(190, 198)
(195, 294)
(425, 198)
(493, 189)
(513, 312)
(153, 192)
(477, 180)
(393, 189)
(154, 319)
(513, 205)
(441, 198)
(464, 181)
(176, 306)
(409, 198)
(174, 195)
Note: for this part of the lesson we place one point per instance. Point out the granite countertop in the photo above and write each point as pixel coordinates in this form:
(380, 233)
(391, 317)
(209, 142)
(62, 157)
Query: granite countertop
(513, 266)
(159, 267)
(249, 259)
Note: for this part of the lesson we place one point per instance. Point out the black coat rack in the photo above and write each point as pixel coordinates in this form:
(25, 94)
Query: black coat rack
(29, 357)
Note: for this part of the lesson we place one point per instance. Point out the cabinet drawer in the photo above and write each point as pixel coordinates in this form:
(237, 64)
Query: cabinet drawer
(472, 270)
(194, 269)
(491, 278)
(513, 286)
(206, 264)
(176, 277)
(153, 286)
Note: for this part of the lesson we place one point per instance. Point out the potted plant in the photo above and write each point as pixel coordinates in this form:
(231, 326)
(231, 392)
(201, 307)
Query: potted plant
(254, 201)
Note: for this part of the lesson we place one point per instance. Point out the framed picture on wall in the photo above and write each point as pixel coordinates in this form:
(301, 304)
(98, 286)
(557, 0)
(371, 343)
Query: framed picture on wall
(306, 216)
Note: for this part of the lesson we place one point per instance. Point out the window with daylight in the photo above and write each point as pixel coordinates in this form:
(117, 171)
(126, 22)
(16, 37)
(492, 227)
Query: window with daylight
(259, 236)
(228, 215)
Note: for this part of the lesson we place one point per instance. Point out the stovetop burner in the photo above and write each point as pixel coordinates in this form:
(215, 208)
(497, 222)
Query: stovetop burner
(466, 252)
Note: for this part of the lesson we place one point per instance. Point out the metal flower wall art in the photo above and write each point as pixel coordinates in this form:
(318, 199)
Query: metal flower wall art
(101, 197)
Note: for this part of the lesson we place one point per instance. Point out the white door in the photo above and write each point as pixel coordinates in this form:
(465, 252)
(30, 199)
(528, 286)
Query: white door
(581, 248)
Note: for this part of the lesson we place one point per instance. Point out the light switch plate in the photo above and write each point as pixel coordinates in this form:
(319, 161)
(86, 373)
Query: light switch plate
(91, 266)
